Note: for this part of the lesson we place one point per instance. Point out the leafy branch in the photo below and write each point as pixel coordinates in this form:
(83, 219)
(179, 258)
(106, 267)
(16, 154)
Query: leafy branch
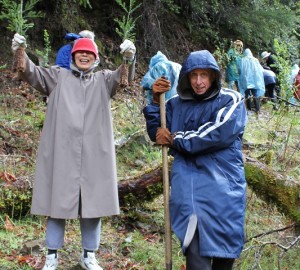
(17, 15)
(126, 25)
(47, 49)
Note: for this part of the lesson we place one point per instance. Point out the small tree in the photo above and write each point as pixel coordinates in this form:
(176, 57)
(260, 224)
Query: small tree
(17, 15)
(47, 49)
(284, 67)
(126, 31)
(127, 24)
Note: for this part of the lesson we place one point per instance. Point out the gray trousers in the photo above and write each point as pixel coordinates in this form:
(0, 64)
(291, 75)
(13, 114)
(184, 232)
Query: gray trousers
(90, 233)
(196, 262)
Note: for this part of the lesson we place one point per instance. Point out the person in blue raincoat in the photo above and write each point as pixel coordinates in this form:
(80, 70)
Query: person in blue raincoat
(160, 66)
(205, 126)
(251, 81)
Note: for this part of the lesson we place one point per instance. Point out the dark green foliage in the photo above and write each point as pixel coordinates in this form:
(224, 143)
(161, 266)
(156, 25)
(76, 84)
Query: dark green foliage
(256, 23)
(15, 200)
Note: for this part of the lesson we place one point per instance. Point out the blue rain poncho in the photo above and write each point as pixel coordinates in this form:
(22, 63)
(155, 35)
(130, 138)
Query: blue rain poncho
(251, 74)
(161, 66)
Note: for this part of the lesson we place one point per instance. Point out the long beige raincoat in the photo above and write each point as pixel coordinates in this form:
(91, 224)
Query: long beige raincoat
(76, 155)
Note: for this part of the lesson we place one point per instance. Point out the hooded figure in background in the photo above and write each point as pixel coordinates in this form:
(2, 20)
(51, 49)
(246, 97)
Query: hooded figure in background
(251, 81)
(234, 57)
(160, 66)
(205, 126)
(296, 87)
(295, 82)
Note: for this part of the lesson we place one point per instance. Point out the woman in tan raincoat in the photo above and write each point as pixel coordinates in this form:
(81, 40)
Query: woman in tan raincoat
(76, 165)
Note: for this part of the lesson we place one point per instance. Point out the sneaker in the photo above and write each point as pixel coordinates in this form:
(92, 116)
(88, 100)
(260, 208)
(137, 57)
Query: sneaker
(51, 262)
(89, 263)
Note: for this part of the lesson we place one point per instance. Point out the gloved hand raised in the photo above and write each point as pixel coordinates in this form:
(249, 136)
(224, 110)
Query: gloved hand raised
(17, 42)
(161, 85)
(128, 50)
(164, 137)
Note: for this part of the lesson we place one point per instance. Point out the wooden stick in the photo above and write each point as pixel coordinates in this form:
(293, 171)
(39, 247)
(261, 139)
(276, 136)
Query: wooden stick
(166, 187)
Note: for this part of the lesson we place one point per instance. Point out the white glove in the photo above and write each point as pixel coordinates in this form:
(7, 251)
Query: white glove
(128, 50)
(18, 41)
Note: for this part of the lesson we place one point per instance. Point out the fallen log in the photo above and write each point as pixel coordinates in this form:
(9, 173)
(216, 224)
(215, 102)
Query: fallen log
(269, 185)
(273, 187)
(141, 189)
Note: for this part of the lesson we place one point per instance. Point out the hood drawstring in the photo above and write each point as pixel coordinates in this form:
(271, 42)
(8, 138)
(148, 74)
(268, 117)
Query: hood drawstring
(81, 75)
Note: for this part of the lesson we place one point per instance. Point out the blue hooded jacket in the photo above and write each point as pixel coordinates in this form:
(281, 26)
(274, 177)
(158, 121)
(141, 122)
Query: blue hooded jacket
(208, 187)
(63, 57)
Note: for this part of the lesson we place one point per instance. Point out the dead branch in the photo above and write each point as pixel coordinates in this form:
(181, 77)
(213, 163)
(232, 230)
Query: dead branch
(294, 225)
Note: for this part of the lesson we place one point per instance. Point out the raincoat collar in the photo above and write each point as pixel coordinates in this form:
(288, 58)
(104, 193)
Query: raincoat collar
(83, 74)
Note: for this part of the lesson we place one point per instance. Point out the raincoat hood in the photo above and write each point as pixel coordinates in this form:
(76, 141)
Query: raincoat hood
(200, 59)
(159, 57)
(248, 53)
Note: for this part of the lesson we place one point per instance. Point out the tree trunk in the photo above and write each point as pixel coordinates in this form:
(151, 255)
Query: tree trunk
(274, 187)
(141, 189)
(271, 186)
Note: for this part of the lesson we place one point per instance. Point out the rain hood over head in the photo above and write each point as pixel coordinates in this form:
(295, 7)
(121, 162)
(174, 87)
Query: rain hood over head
(160, 66)
(200, 59)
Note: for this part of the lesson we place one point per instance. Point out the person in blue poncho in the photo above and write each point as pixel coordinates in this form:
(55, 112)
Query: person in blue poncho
(251, 81)
(160, 66)
(235, 54)
(63, 57)
(205, 126)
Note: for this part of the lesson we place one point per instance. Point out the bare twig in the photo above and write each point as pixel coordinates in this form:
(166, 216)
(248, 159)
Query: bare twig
(294, 225)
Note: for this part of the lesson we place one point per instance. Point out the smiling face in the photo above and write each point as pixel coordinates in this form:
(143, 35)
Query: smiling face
(201, 80)
(84, 59)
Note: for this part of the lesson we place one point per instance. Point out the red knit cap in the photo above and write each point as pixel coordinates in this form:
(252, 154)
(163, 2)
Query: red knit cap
(85, 44)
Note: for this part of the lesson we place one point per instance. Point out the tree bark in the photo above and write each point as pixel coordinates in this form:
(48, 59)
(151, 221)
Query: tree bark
(273, 187)
(141, 189)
